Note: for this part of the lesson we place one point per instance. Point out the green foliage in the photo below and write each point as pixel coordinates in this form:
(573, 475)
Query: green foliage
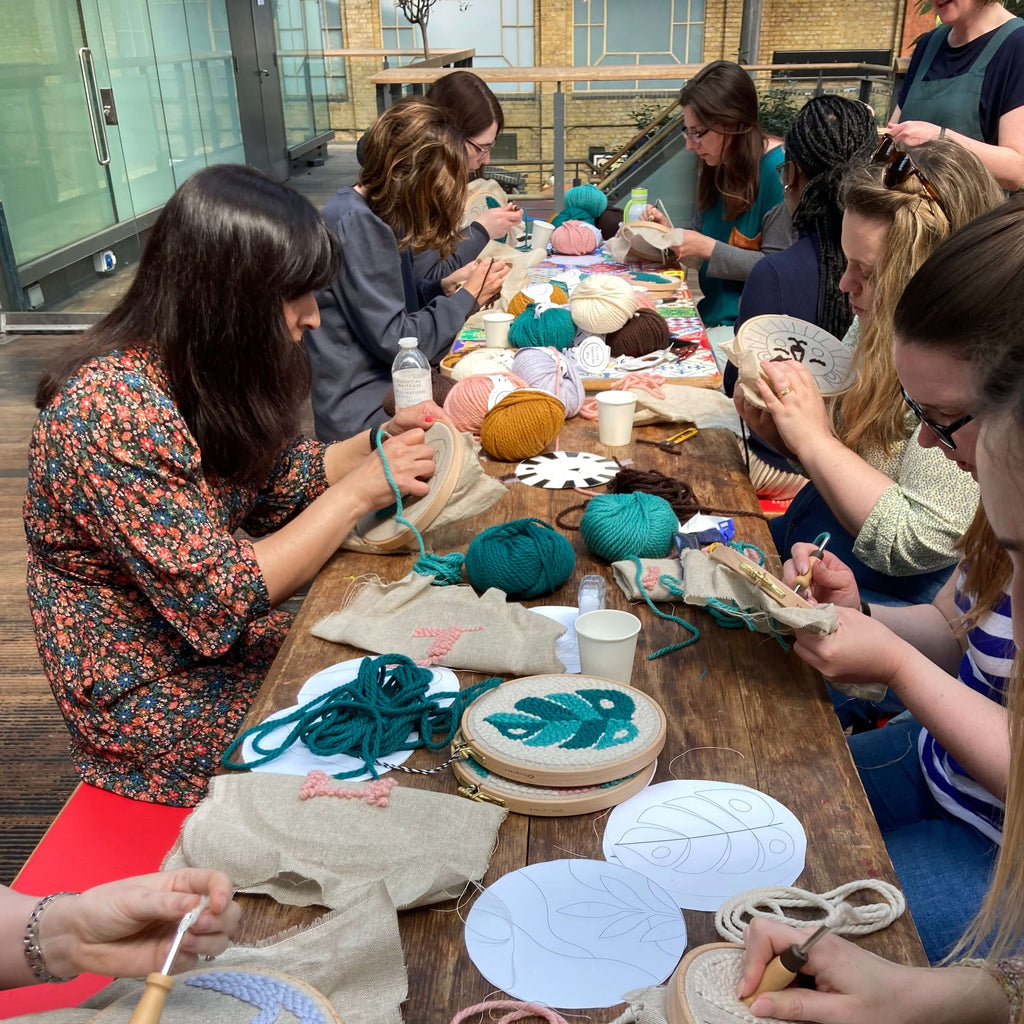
(643, 114)
(777, 110)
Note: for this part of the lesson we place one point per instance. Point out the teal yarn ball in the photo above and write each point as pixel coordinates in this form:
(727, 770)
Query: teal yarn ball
(584, 202)
(552, 326)
(525, 558)
(618, 526)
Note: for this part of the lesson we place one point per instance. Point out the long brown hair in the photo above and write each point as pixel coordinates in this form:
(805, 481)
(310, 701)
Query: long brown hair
(471, 105)
(872, 411)
(414, 175)
(228, 249)
(724, 99)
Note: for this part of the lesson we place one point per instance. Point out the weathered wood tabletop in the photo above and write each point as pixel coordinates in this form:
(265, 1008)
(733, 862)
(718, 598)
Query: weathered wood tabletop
(739, 707)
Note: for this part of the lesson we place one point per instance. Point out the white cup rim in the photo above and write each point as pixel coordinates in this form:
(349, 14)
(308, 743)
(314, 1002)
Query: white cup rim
(498, 318)
(615, 397)
(630, 624)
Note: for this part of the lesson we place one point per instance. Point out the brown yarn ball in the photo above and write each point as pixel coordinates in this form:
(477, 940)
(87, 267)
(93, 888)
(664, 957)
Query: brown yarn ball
(439, 385)
(645, 331)
(609, 221)
(522, 425)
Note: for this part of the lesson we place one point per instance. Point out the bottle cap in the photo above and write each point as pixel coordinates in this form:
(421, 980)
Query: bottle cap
(408, 342)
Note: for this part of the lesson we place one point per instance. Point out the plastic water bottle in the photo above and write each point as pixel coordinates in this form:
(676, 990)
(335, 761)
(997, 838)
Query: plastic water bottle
(410, 374)
(634, 210)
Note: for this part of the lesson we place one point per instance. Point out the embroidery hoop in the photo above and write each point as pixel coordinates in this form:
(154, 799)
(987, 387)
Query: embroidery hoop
(677, 1000)
(387, 534)
(547, 801)
(556, 764)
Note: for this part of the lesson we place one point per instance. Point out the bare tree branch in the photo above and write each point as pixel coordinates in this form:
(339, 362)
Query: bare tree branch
(417, 12)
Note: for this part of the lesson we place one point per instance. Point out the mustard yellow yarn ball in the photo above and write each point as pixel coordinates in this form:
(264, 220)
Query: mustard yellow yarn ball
(522, 425)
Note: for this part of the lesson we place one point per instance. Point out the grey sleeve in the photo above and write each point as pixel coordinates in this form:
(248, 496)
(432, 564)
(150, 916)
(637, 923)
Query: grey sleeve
(731, 263)
(430, 267)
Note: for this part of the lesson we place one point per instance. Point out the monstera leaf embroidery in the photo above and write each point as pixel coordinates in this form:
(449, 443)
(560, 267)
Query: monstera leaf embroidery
(573, 721)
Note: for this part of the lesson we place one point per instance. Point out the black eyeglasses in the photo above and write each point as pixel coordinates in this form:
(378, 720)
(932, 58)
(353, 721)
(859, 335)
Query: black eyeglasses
(943, 431)
(484, 150)
(695, 134)
(785, 171)
(900, 166)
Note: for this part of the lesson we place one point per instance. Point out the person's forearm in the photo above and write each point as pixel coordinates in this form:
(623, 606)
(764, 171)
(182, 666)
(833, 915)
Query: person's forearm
(342, 456)
(953, 995)
(924, 627)
(15, 909)
(1005, 164)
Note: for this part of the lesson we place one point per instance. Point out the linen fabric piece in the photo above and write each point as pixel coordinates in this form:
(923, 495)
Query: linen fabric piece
(703, 407)
(449, 626)
(520, 265)
(320, 851)
(640, 241)
(651, 571)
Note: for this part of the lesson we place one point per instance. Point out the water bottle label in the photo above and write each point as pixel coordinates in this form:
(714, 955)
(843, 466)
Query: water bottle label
(412, 386)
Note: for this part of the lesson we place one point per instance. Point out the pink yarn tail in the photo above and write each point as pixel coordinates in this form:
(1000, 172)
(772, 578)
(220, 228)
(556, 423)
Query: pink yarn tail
(652, 383)
(520, 1011)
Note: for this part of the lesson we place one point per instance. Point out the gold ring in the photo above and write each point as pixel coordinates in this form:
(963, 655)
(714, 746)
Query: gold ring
(785, 391)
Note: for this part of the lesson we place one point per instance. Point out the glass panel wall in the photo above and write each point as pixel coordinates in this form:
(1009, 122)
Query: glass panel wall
(304, 86)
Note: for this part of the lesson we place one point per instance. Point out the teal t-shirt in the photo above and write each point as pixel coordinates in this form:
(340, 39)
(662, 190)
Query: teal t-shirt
(721, 301)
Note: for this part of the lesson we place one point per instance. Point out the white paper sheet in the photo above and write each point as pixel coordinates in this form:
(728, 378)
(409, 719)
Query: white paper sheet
(574, 933)
(565, 646)
(706, 841)
(297, 759)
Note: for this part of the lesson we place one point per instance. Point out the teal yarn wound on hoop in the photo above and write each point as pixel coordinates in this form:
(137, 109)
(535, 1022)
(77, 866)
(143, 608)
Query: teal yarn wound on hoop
(369, 718)
(552, 326)
(525, 558)
(618, 526)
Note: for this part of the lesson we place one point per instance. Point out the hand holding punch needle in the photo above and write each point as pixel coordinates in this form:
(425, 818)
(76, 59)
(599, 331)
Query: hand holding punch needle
(801, 582)
(781, 971)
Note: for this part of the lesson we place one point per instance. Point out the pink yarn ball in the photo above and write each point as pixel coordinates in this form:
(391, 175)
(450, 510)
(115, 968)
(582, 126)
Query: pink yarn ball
(468, 402)
(574, 238)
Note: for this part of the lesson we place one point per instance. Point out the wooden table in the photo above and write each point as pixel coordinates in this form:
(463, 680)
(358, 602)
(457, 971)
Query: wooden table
(739, 708)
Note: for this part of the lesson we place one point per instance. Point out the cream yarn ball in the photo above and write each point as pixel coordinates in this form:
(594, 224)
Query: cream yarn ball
(602, 303)
(483, 360)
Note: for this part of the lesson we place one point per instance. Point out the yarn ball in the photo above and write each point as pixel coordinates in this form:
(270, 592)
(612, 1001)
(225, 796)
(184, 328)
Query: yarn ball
(584, 202)
(574, 238)
(602, 303)
(522, 425)
(610, 221)
(469, 399)
(525, 558)
(618, 526)
(439, 385)
(645, 331)
(522, 299)
(481, 360)
(535, 328)
(549, 371)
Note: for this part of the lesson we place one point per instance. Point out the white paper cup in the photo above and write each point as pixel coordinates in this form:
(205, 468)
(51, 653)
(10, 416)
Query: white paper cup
(540, 234)
(496, 329)
(607, 642)
(615, 417)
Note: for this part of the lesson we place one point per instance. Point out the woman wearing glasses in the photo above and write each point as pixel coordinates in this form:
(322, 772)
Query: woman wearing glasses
(739, 216)
(409, 199)
(966, 83)
(894, 508)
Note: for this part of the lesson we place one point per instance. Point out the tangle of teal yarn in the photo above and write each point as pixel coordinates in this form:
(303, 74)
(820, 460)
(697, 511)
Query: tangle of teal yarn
(743, 547)
(672, 585)
(552, 326)
(369, 718)
(525, 558)
(446, 569)
(583, 202)
(618, 526)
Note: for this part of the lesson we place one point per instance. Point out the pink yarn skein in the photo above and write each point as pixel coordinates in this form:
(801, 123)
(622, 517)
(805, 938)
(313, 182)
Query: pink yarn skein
(574, 238)
(467, 402)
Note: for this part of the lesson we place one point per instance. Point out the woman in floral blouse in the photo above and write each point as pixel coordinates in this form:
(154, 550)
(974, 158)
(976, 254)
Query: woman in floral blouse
(171, 429)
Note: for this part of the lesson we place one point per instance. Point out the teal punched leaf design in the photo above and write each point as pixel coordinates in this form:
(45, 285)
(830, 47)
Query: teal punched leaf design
(573, 721)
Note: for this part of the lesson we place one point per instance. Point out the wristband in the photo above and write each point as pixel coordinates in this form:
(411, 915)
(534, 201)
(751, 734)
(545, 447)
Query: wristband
(865, 608)
(942, 132)
(33, 951)
(373, 435)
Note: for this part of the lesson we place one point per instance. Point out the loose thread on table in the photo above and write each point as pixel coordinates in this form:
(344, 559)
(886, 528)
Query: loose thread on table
(690, 751)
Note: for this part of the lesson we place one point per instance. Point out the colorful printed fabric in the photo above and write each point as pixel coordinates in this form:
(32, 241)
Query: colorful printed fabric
(151, 617)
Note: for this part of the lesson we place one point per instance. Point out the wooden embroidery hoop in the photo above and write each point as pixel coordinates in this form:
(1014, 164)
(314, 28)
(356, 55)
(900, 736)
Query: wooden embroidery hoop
(677, 1007)
(388, 534)
(559, 767)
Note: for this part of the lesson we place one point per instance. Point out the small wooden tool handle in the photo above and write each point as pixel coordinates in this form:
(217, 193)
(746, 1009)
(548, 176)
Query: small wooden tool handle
(774, 979)
(757, 575)
(151, 1005)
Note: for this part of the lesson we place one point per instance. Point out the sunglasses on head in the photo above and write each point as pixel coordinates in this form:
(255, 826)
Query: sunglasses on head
(900, 166)
(943, 431)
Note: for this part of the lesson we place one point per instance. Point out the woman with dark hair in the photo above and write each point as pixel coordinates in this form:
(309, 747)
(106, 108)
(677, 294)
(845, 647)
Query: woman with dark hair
(738, 189)
(171, 427)
(410, 197)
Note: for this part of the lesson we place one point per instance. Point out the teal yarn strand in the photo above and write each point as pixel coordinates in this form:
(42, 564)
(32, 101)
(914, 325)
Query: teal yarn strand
(525, 558)
(672, 585)
(551, 327)
(369, 718)
(618, 526)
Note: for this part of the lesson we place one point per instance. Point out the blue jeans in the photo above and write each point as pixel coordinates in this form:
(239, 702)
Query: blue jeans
(808, 515)
(943, 864)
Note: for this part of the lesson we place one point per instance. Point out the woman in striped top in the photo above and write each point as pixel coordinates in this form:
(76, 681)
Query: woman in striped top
(936, 781)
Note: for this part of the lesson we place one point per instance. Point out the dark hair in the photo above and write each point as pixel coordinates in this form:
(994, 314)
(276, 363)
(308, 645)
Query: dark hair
(724, 98)
(471, 105)
(829, 136)
(228, 250)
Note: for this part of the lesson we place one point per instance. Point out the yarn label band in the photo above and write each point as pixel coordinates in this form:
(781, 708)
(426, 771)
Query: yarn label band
(502, 386)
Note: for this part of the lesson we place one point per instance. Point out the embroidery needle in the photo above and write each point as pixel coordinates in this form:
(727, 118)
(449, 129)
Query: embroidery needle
(159, 983)
(804, 579)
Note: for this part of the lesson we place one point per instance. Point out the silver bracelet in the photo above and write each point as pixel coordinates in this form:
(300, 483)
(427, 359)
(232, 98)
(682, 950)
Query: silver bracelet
(33, 951)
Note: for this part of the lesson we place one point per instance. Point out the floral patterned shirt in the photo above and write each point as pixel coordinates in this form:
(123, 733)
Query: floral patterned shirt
(151, 616)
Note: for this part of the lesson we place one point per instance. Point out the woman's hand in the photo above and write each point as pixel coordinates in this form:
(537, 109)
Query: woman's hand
(913, 133)
(832, 580)
(421, 415)
(410, 462)
(792, 399)
(652, 213)
(760, 422)
(125, 928)
(457, 278)
(497, 222)
(485, 280)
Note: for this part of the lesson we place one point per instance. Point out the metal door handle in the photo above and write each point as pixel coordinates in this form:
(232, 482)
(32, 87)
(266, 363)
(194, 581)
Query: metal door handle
(264, 72)
(92, 92)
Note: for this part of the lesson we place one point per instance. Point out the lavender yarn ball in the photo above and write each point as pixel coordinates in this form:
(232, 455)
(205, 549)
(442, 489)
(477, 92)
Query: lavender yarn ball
(549, 370)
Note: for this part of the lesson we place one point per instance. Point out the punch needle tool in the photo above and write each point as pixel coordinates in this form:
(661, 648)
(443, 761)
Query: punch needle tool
(785, 967)
(804, 579)
(159, 983)
(661, 206)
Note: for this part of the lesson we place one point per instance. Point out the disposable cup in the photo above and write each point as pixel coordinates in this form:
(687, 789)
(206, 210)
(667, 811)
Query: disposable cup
(496, 329)
(615, 417)
(607, 643)
(540, 234)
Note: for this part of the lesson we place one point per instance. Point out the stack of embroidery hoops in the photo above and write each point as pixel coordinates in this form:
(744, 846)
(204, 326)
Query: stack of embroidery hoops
(557, 745)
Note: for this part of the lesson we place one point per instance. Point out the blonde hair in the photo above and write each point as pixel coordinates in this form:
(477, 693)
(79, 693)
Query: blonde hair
(987, 570)
(414, 175)
(872, 412)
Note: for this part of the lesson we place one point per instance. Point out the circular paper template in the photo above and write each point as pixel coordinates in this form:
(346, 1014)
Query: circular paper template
(563, 470)
(574, 933)
(706, 841)
(785, 337)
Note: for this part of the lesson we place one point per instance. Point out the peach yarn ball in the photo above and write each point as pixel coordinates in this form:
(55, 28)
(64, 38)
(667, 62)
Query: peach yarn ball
(574, 238)
(522, 425)
(467, 402)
